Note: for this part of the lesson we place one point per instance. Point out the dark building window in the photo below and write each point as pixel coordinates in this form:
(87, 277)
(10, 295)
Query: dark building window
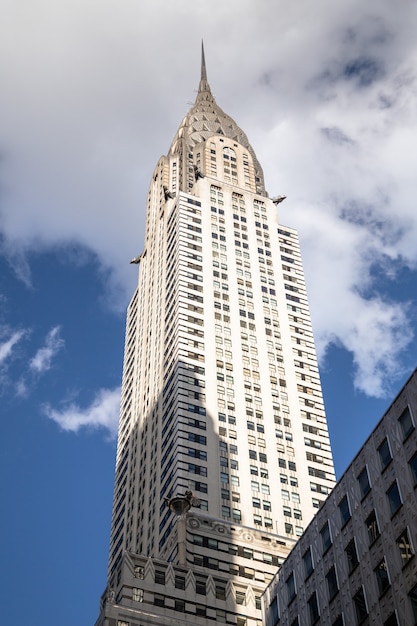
(381, 573)
(344, 510)
(326, 539)
(159, 600)
(351, 555)
(200, 586)
(413, 468)
(220, 590)
(394, 497)
(413, 601)
(360, 605)
(392, 620)
(372, 527)
(179, 582)
(339, 621)
(291, 588)
(160, 578)
(274, 613)
(406, 422)
(313, 608)
(384, 454)
(308, 563)
(180, 605)
(332, 585)
(363, 480)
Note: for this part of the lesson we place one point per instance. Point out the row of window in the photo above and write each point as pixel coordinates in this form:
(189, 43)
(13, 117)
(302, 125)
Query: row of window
(358, 601)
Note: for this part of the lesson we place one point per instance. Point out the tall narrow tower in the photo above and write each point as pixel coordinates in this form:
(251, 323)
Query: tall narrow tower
(223, 451)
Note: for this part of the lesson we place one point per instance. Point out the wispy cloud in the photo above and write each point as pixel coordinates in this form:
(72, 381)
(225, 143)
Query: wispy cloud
(42, 361)
(6, 348)
(103, 412)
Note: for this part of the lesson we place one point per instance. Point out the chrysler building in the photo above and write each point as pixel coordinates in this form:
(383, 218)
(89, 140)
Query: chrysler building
(223, 452)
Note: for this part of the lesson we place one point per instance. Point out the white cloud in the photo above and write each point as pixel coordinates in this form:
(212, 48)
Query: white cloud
(326, 92)
(6, 348)
(42, 361)
(103, 412)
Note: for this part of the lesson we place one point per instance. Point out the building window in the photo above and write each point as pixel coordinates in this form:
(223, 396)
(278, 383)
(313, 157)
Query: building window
(413, 467)
(406, 422)
(159, 578)
(236, 515)
(326, 539)
(394, 498)
(121, 622)
(332, 585)
(139, 572)
(225, 511)
(200, 586)
(313, 608)
(220, 590)
(137, 595)
(405, 547)
(372, 527)
(351, 555)
(344, 510)
(179, 582)
(240, 597)
(413, 601)
(384, 454)
(392, 620)
(382, 578)
(159, 600)
(291, 592)
(179, 605)
(360, 605)
(339, 621)
(274, 612)
(308, 563)
(364, 484)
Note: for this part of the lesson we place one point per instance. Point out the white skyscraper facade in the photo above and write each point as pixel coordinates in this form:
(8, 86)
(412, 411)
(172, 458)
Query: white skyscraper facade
(223, 451)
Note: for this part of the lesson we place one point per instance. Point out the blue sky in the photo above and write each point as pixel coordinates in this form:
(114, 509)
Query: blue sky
(92, 95)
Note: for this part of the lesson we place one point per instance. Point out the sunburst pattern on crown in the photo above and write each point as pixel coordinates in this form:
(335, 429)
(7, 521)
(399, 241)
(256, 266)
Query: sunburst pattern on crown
(206, 119)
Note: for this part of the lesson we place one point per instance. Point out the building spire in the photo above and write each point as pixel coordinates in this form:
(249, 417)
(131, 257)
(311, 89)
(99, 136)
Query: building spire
(203, 63)
(204, 87)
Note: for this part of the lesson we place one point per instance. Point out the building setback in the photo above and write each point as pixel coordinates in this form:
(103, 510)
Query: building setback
(355, 563)
(223, 452)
